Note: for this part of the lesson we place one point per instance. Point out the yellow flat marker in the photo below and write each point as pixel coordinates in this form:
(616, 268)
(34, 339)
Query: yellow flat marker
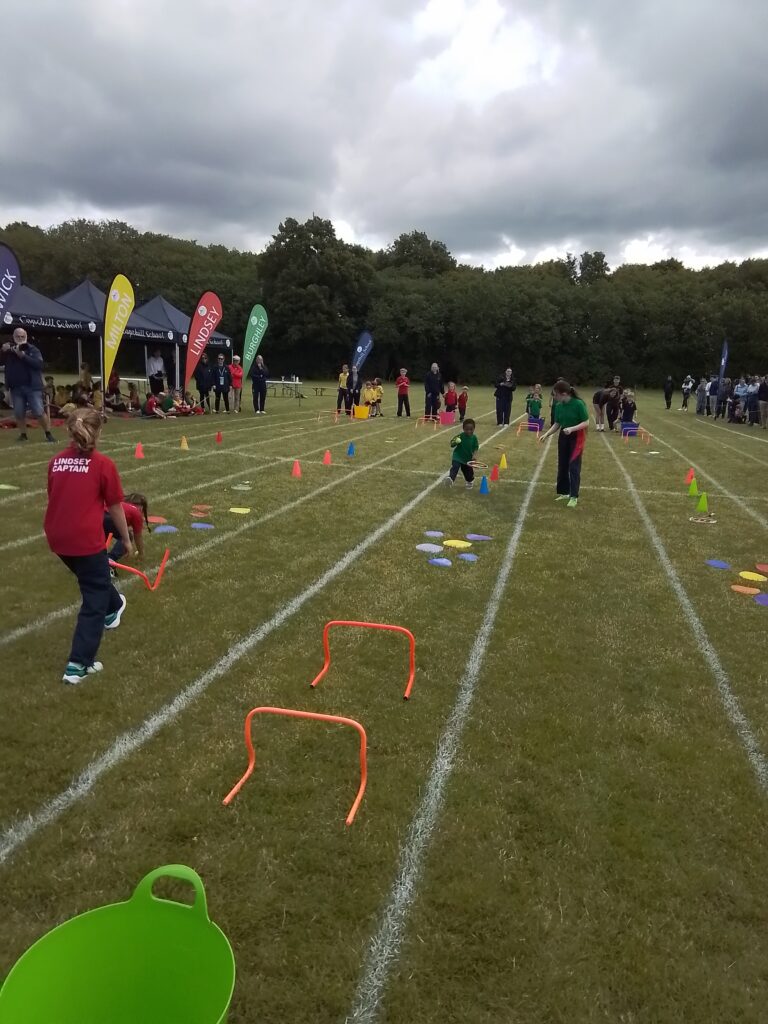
(240, 511)
(756, 577)
(456, 544)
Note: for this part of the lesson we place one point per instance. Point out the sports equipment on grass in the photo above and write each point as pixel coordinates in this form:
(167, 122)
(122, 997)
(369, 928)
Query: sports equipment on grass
(240, 511)
(444, 562)
(202, 508)
(478, 536)
(693, 490)
(738, 589)
(362, 412)
(702, 507)
(762, 599)
(147, 959)
(467, 556)
(476, 464)
(494, 474)
(433, 533)
(351, 449)
(756, 577)
(368, 625)
(296, 471)
(690, 476)
(184, 444)
(143, 575)
(164, 528)
(430, 549)
(761, 567)
(457, 544)
(484, 488)
(313, 716)
(717, 563)
(503, 461)
(138, 452)
(219, 437)
(157, 520)
(327, 457)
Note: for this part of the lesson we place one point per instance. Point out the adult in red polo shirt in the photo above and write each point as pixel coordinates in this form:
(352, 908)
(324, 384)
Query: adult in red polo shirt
(81, 483)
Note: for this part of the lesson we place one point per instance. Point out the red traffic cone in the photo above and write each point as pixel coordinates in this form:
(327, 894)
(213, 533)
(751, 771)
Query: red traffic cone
(219, 438)
(327, 458)
(494, 474)
(689, 476)
(296, 471)
(139, 453)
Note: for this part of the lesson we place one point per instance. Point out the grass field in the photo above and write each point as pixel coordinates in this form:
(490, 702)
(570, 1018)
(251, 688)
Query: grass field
(565, 823)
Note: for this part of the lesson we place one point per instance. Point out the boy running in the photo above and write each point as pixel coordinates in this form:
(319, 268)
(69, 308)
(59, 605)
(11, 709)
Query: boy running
(464, 447)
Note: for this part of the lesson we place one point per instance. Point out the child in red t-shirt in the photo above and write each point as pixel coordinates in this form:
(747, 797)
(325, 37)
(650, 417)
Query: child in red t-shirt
(136, 509)
(81, 484)
(451, 398)
(463, 399)
(403, 402)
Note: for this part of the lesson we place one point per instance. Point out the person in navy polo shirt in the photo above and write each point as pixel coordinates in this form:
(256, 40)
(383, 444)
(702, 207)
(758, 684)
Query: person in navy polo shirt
(81, 484)
(24, 378)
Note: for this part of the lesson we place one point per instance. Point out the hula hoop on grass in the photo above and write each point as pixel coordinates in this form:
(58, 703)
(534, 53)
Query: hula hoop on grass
(476, 464)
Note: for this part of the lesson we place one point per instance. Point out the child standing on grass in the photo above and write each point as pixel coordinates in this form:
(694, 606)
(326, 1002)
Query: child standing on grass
(571, 419)
(534, 402)
(464, 447)
(462, 403)
(628, 409)
(81, 484)
(403, 401)
(379, 390)
(369, 397)
(451, 398)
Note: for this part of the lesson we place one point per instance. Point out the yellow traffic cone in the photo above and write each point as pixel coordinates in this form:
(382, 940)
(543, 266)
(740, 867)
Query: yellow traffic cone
(693, 490)
(503, 461)
(703, 508)
(184, 444)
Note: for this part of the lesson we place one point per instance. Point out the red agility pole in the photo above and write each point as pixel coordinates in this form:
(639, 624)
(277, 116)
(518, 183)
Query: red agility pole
(143, 575)
(290, 713)
(368, 625)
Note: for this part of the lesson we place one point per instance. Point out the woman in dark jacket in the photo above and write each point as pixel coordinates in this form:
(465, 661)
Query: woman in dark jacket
(354, 387)
(669, 390)
(259, 375)
(433, 388)
(505, 386)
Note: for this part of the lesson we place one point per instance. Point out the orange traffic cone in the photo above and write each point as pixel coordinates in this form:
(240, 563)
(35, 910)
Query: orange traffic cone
(689, 476)
(327, 458)
(296, 471)
(139, 453)
(219, 438)
(494, 474)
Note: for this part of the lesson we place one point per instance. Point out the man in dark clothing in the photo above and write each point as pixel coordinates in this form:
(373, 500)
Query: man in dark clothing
(505, 387)
(204, 381)
(24, 378)
(433, 388)
(222, 382)
(669, 389)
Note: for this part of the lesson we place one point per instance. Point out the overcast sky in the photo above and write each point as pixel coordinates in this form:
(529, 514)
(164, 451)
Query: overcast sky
(510, 129)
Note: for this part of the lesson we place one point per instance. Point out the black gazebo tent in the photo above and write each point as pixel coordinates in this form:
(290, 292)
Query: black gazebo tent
(161, 311)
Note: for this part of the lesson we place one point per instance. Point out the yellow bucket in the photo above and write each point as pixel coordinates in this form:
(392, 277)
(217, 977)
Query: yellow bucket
(362, 412)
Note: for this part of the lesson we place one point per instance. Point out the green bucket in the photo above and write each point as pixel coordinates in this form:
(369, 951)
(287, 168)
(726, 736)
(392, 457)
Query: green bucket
(145, 961)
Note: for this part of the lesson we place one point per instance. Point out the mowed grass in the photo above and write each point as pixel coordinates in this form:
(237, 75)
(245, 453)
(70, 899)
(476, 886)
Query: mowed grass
(600, 855)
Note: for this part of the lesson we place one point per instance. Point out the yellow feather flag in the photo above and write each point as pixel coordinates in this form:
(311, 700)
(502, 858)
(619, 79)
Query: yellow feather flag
(120, 303)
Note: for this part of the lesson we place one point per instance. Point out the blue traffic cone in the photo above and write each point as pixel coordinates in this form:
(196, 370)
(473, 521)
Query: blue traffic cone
(351, 449)
(484, 488)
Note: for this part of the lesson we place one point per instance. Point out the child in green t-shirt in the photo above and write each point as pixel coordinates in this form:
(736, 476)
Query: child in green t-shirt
(571, 419)
(464, 447)
(534, 402)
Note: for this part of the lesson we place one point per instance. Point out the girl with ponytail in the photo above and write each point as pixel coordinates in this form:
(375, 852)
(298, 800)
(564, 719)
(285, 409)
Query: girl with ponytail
(81, 484)
(571, 420)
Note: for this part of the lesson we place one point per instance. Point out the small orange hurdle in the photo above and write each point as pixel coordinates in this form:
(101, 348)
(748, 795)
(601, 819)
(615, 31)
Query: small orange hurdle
(290, 713)
(143, 575)
(424, 421)
(368, 625)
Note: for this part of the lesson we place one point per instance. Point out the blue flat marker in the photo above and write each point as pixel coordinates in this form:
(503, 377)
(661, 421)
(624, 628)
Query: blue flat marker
(716, 563)
(440, 561)
(202, 526)
(165, 529)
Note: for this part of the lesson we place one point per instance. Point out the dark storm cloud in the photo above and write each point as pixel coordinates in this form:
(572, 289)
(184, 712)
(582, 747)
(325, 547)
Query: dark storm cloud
(219, 120)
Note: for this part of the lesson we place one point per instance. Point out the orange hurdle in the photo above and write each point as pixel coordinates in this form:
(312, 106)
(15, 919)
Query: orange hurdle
(368, 625)
(422, 421)
(290, 713)
(143, 575)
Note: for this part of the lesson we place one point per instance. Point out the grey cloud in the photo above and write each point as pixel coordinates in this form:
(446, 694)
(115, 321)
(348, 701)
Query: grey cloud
(219, 121)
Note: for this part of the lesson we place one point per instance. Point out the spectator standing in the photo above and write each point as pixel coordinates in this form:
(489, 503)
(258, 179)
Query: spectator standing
(505, 387)
(24, 379)
(433, 389)
(669, 390)
(156, 372)
(204, 381)
(259, 375)
(403, 401)
(354, 387)
(753, 407)
(222, 383)
(236, 372)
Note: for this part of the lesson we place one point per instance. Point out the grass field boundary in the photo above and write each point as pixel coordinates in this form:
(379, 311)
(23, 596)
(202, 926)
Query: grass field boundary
(385, 945)
(749, 436)
(14, 836)
(46, 620)
(704, 645)
(703, 475)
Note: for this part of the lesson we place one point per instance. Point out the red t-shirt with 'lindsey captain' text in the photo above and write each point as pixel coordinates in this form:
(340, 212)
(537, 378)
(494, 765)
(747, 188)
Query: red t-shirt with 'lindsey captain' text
(80, 486)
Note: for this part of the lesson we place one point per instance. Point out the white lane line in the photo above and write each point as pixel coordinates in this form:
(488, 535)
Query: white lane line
(702, 474)
(222, 538)
(704, 645)
(751, 436)
(384, 947)
(17, 834)
(716, 440)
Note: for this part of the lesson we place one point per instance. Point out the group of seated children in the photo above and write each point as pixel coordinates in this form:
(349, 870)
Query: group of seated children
(171, 403)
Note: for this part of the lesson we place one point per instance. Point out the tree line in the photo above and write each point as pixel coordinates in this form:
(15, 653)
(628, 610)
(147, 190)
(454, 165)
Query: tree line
(573, 316)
